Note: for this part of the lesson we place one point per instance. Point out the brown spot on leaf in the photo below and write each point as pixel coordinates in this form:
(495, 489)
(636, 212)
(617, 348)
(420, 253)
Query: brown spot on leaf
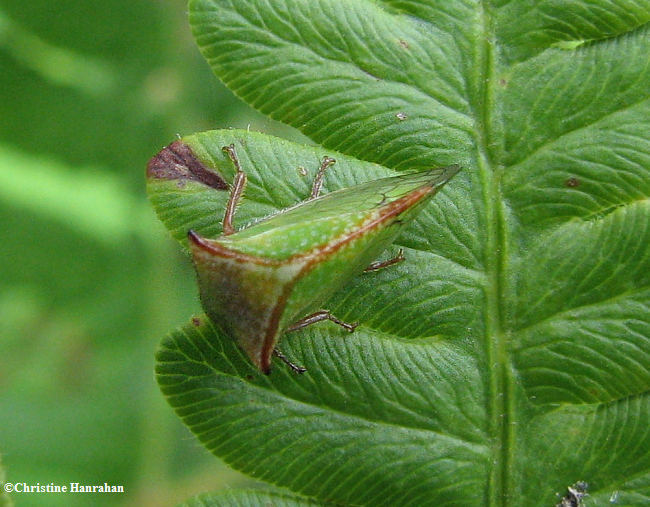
(572, 182)
(403, 43)
(196, 321)
(178, 162)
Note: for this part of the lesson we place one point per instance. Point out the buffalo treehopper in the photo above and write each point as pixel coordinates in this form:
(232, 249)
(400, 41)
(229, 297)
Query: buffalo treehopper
(273, 276)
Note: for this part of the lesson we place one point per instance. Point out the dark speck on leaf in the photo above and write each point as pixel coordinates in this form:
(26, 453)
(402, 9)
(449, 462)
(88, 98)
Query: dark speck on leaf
(572, 182)
(503, 82)
(249, 377)
(404, 44)
(196, 321)
(574, 495)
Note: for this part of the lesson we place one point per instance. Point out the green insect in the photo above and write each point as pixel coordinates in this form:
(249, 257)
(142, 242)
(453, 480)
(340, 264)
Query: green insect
(272, 277)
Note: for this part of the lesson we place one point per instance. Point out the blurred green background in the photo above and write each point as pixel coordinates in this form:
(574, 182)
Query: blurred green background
(90, 280)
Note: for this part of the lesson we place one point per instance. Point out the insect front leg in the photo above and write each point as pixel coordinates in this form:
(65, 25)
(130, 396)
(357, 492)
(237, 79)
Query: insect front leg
(377, 265)
(318, 180)
(238, 185)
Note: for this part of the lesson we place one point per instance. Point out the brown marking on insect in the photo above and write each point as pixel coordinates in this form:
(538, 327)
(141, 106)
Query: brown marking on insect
(269, 339)
(404, 44)
(196, 321)
(572, 182)
(221, 251)
(178, 162)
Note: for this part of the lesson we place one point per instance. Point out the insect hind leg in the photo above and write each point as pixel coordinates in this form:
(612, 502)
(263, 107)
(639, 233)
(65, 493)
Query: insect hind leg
(285, 360)
(377, 265)
(319, 316)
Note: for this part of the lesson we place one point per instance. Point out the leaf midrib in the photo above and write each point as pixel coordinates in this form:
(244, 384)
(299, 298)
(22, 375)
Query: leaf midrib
(500, 382)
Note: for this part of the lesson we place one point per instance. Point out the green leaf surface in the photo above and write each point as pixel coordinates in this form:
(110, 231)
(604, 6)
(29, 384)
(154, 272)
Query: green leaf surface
(247, 498)
(5, 500)
(509, 356)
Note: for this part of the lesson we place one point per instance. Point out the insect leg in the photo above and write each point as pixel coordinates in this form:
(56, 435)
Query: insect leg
(283, 358)
(306, 321)
(237, 189)
(377, 265)
(318, 180)
(317, 317)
